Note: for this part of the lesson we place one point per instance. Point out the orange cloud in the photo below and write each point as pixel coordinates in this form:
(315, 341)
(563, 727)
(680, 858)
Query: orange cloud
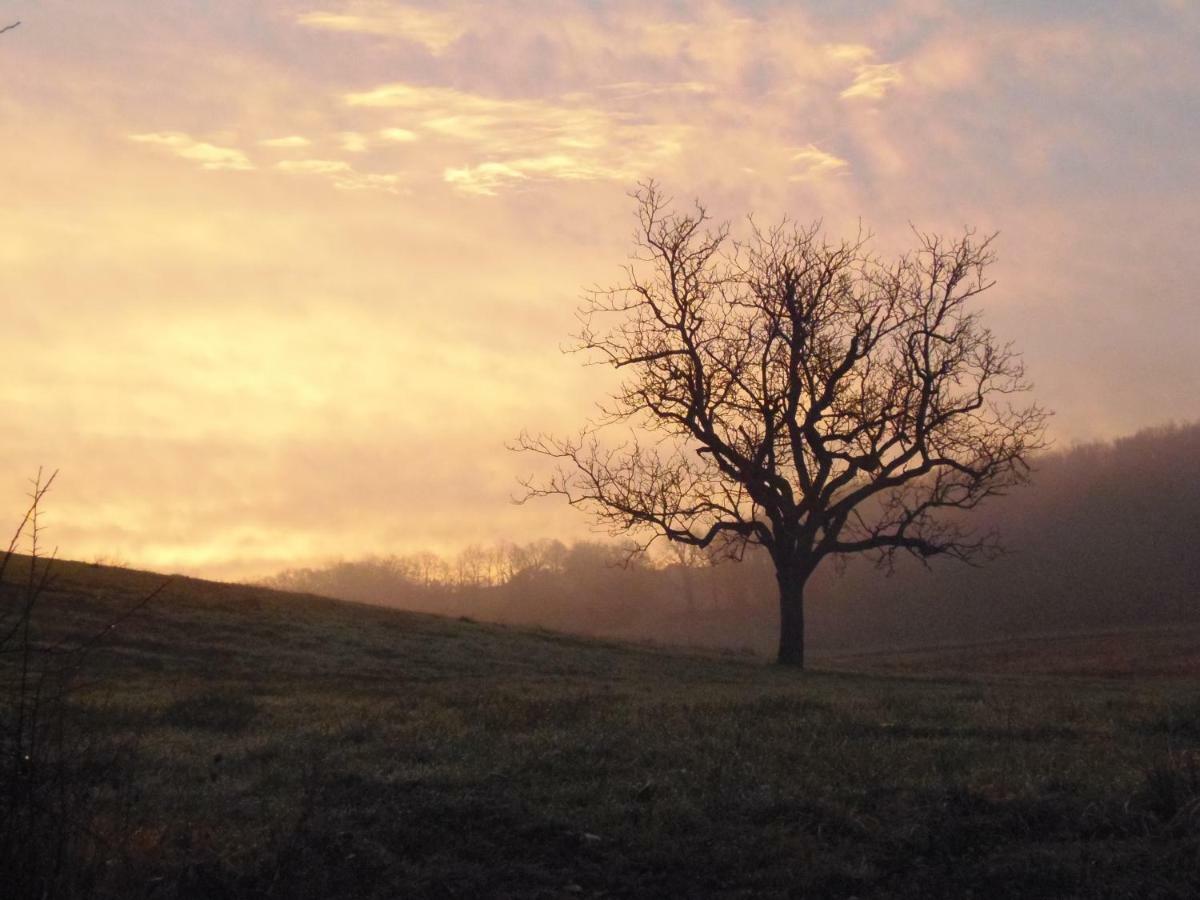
(208, 156)
(435, 29)
(286, 143)
(518, 140)
(314, 166)
(398, 135)
(353, 142)
(813, 163)
(872, 82)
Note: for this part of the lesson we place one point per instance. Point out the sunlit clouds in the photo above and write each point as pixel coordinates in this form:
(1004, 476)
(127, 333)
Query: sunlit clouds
(662, 93)
(353, 142)
(871, 82)
(288, 142)
(521, 140)
(281, 279)
(398, 135)
(341, 174)
(204, 154)
(314, 166)
(435, 29)
(812, 163)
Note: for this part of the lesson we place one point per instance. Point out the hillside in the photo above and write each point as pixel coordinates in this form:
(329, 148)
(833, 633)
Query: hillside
(282, 745)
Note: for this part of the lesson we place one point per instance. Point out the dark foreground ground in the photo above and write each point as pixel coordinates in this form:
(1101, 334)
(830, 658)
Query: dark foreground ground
(274, 745)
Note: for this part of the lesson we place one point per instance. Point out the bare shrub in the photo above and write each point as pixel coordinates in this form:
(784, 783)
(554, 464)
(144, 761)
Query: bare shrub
(63, 787)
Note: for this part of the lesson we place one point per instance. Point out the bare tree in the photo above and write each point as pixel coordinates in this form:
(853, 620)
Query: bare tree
(795, 393)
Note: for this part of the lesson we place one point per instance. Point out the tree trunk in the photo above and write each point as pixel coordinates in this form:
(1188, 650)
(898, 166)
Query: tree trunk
(791, 618)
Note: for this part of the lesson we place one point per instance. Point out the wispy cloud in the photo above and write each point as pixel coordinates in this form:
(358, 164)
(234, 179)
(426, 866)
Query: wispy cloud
(208, 156)
(487, 178)
(690, 87)
(849, 53)
(341, 174)
(285, 143)
(513, 141)
(313, 166)
(639, 90)
(353, 142)
(435, 29)
(398, 135)
(872, 82)
(370, 181)
(813, 163)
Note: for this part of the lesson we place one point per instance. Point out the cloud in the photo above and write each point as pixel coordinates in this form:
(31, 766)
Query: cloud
(209, 156)
(813, 163)
(488, 178)
(286, 142)
(341, 174)
(626, 92)
(363, 181)
(849, 53)
(435, 30)
(314, 166)
(353, 142)
(638, 90)
(573, 138)
(872, 82)
(398, 135)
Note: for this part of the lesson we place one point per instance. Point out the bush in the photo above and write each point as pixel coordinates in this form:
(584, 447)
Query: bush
(61, 793)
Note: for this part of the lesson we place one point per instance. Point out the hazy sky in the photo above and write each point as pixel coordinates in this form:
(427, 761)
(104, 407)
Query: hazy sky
(279, 280)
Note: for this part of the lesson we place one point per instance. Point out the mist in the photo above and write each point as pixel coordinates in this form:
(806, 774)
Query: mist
(1103, 538)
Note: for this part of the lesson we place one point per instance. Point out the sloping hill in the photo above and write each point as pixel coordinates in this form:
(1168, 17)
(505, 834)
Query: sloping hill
(234, 631)
(281, 745)
(1103, 541)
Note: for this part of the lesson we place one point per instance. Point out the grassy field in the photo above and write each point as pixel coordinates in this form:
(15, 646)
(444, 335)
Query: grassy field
(1158, 652)
(291, 746)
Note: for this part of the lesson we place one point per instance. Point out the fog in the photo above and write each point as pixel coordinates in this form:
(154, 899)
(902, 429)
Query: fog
(1104, 537)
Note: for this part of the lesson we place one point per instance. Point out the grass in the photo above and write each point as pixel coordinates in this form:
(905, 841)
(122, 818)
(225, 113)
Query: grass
(292, 746)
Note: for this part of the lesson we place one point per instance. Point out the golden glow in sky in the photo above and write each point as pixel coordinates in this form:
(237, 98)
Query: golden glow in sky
(279, 280)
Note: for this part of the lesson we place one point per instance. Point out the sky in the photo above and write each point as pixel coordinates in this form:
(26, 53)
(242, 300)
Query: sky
(279, 280)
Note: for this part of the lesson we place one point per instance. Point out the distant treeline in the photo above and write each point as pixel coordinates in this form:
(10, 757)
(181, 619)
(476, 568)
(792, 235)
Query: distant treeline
(1107, 536)
(590, 587)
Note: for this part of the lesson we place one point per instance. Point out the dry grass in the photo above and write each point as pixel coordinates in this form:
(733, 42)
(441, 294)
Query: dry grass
(1158, 652)
(291, 746)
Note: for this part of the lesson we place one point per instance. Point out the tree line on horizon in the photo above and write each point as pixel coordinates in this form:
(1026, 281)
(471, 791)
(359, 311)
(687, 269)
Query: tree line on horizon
(1104, 538)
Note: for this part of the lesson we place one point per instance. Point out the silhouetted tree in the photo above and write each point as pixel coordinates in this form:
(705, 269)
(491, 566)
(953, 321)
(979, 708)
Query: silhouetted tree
(795, 393)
